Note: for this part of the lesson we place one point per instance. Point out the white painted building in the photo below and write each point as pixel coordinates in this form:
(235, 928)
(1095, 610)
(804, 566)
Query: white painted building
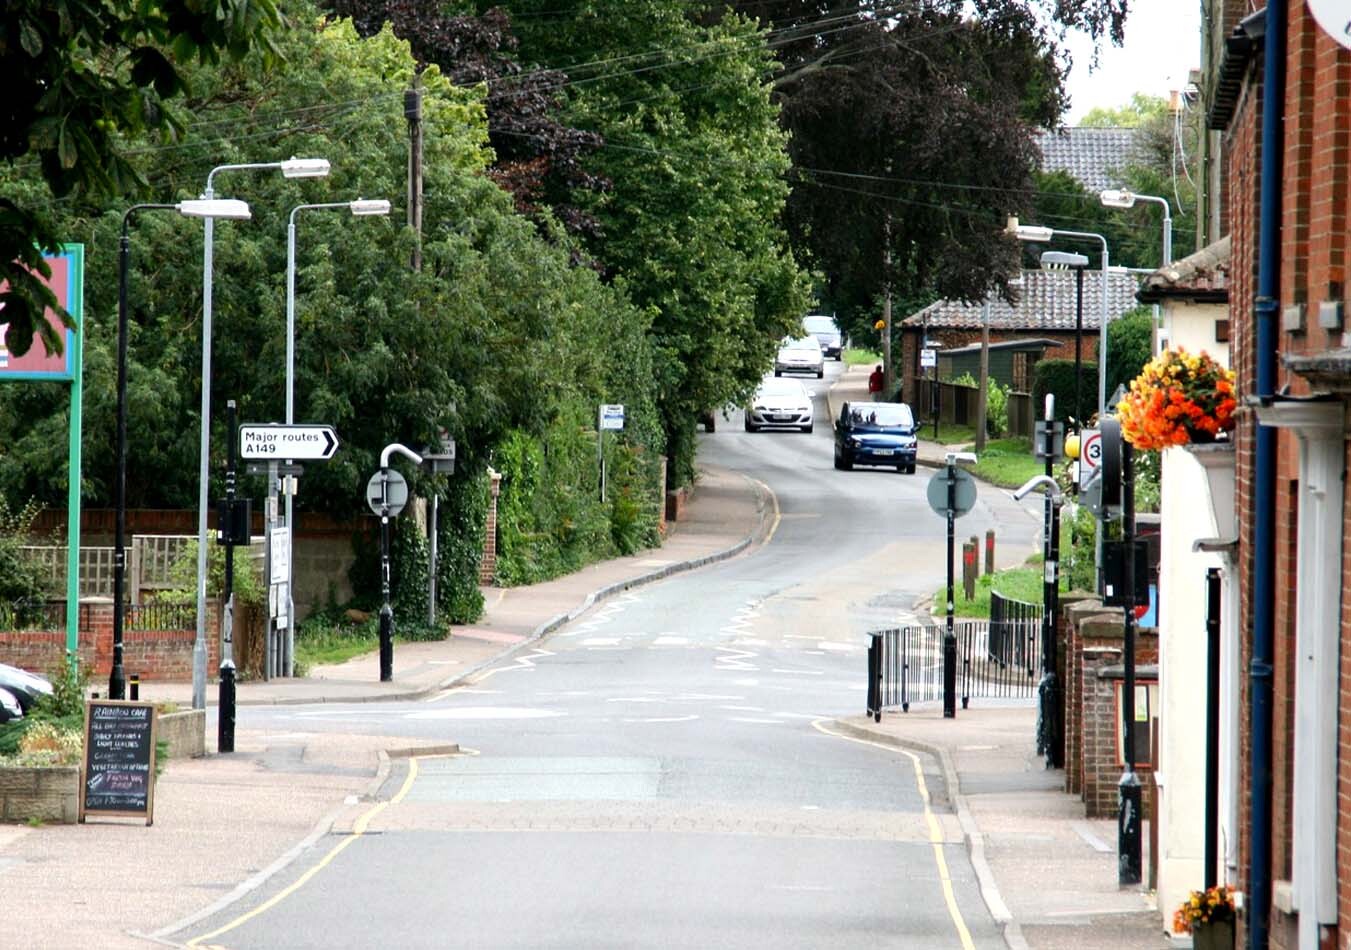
(1195, 316)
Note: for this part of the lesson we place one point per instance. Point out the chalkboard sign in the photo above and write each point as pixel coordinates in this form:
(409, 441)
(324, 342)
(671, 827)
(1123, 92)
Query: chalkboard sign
(119, 760)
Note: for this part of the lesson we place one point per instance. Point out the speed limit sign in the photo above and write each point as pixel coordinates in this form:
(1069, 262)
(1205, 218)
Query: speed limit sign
(1090, 454)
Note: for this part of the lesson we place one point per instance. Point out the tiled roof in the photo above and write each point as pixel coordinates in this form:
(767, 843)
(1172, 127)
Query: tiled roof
(1093, 156)
(1204, 274)
(1046, 302)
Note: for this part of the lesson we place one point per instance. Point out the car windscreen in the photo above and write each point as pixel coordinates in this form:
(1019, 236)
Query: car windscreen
(806, 343)
(819, 325)
(882, 414)
(777, 389)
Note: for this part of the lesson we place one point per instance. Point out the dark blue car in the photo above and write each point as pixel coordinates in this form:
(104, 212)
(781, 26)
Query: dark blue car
(875, 433)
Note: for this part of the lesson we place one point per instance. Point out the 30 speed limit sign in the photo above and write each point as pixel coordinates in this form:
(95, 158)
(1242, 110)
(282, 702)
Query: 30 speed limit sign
(1090, 454)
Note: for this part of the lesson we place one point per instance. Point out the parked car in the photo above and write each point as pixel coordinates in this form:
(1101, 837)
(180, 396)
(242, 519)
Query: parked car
(27, 687)
(780, 403)
(9, 706)
(800, 356)
(875, 433)
(827, 334)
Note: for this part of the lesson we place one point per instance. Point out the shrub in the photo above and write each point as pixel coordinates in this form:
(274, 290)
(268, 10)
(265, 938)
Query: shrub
(1057, 378)
(21, 578)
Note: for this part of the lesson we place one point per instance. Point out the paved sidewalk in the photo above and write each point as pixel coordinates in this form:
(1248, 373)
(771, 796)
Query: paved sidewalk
(1048, 874)
(224, 823)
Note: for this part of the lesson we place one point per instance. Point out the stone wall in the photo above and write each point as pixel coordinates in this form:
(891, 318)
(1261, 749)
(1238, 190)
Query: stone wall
(40, 794)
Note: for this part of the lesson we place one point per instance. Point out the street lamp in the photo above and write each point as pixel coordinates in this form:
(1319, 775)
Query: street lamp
(1034, 233)
(210, 209)
(361, 207)
(1068, 260)
(1118, 198)
(291, 168)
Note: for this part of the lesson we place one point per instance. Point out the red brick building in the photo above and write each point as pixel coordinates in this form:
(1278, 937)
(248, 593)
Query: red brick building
(1295, 629)
(1046, 308)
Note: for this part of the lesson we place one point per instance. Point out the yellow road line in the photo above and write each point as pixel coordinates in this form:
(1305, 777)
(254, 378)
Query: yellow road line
(358, 829)
(935, 831)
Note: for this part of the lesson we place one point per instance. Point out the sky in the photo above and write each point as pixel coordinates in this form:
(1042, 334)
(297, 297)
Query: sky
(1163, 43)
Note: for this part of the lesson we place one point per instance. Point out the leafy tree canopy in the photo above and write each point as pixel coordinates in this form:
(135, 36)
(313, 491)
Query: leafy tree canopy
(78, 78)
(1142, 108)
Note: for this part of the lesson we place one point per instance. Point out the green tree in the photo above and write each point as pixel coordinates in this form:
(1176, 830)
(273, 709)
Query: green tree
(1141, 109)
(79, 78)
(1130, 345)
(690, 227)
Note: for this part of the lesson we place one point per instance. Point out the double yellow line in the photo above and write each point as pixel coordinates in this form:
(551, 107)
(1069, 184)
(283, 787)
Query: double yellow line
(936, 840)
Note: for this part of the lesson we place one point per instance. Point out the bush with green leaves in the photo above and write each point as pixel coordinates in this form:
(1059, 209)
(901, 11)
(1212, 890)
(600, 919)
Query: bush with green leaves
(1056, 377)
(21, 578)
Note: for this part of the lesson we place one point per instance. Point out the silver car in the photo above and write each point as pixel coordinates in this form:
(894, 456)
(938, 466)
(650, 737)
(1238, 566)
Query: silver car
(780, 402)
(827, 334)
(800, 356)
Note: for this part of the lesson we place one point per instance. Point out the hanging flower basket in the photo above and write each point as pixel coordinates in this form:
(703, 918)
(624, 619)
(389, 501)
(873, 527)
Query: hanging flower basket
(1179, 399)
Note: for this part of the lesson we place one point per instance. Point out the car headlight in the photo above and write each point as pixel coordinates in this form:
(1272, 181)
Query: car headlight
(759, 408)
(804, 409)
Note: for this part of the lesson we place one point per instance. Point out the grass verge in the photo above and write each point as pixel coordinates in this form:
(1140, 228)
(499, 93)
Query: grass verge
(1007, 463)
(853, 357)
(1015, 583)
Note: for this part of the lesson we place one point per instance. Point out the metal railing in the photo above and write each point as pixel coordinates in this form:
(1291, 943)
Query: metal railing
(161, 617)
(995, 660)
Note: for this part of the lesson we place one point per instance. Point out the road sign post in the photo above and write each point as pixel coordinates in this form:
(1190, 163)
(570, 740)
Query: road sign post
(952, 493)
(387, 493)
(611, 417)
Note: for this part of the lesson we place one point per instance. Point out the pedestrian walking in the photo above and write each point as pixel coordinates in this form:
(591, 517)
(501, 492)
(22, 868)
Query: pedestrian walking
(875, 384)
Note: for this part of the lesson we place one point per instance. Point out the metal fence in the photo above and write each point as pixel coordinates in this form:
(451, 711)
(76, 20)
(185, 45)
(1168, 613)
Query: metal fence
(996, 659)
(161, 617)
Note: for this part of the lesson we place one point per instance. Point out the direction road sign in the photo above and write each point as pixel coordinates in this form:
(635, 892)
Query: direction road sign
(965, 496)
(298, 442)
(398, 492)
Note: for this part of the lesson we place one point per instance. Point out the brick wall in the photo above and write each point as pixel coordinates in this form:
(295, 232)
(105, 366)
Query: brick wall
(1094, 637)
(1315, 212)
(150, 654)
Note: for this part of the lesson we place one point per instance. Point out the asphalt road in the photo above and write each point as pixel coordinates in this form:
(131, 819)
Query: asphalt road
(662, 772)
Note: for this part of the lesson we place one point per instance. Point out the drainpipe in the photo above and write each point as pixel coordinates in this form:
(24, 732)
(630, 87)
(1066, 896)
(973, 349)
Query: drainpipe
(1267, 307)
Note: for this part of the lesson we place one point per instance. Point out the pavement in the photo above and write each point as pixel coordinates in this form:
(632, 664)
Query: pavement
(226, 822)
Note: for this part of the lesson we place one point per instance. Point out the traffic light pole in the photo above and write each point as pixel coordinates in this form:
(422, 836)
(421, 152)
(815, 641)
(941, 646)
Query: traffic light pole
(1128, 790)
(225, 718)
(1048, 735)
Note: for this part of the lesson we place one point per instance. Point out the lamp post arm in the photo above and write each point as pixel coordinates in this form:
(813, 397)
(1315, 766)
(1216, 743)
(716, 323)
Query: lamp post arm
(402, 450)
(234, 168)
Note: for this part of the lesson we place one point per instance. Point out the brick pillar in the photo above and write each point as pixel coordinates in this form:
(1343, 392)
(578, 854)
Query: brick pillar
(487, 569)
(96, 641)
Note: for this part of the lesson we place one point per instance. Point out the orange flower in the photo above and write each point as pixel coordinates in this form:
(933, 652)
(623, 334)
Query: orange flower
(1178, 398)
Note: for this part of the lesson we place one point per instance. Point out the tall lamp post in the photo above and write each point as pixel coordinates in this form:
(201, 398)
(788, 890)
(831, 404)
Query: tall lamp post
(1068, 260)
(291, 168)
(1033, 233)
(1119, 198)
(210, 209)
(361, 207)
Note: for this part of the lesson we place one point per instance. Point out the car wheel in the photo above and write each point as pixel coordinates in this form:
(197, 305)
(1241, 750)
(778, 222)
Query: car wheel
(846, 463)
(910, 469)
(820, 373)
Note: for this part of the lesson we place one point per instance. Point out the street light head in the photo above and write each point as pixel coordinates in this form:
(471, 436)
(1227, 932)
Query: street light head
(231, 209)
(1117, 198)
(1033, 233)
(1063, 260)
(369, 206)
(305, 168)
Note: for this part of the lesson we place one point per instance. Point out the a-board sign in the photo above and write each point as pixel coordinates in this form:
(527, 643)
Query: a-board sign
(118, 775)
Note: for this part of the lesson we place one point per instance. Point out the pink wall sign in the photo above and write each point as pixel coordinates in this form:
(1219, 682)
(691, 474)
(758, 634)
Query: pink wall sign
(37, 363)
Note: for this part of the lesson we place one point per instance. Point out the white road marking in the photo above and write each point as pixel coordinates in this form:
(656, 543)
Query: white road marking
(761, 722)
(833, 645)
(662, 719)
(743, 708)
(600, 641)
(520, 663)
(670, 641)
(707, 697)
(800, 672)
(486, 712)
(635, 699)
(733, 659)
